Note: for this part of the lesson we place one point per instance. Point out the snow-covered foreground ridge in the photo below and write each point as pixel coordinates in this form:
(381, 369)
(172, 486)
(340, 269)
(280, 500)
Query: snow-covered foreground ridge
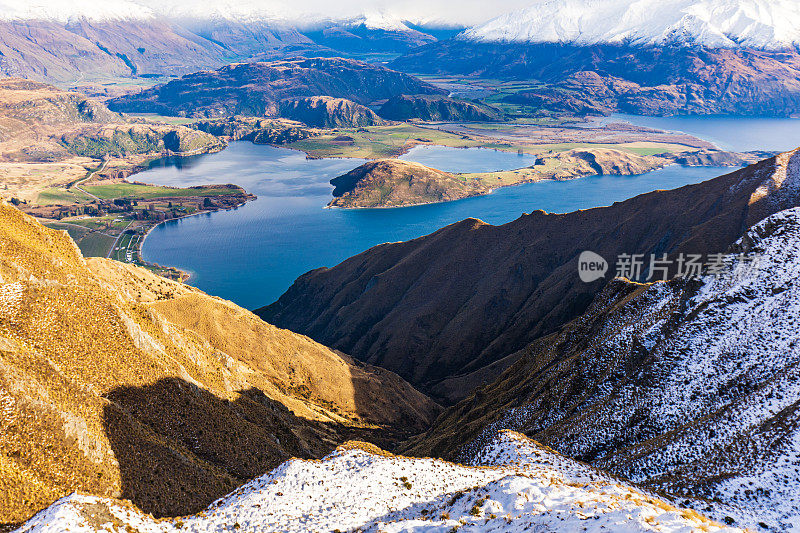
(514, 484)
(768, 24)
(690, 388)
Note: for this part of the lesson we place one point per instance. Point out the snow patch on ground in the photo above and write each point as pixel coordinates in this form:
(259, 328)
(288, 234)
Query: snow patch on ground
(513, 485)
(712, 410)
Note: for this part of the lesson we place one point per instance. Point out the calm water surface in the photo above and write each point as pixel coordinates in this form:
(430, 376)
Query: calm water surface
(467, 159)
(252, 254)
(728, 133)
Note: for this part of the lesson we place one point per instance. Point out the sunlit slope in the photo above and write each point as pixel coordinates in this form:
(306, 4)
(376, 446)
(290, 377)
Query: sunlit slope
(117, 382)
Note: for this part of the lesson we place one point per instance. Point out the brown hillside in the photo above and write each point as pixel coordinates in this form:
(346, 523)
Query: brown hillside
(438, 107)
(688, 387)
(470, 294)
(118, 382)
(393, 182)
(49, 136)
(258, 88)
(329, 112)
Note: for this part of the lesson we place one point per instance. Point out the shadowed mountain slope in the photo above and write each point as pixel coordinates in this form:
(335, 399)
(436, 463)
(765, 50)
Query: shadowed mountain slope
(602, 78)
(688, 387)
(329, 112)
(117, 382)
(457, 300)
(257, 88)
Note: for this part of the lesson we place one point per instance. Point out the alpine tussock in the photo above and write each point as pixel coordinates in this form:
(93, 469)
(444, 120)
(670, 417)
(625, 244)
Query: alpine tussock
(117, 382)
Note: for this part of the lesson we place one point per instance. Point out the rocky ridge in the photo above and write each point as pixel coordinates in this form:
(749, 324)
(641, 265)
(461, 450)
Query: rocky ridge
(258, 88)
(513, 485)
(329, 112)
(256, 130)
(431, 108)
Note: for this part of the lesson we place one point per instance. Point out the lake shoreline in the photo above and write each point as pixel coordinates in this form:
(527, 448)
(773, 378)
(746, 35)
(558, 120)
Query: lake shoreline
(252, 256)
(185, 275)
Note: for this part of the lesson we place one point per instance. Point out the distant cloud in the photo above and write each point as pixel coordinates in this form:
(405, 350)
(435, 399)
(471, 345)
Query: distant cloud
(463, 12)
(449, 12)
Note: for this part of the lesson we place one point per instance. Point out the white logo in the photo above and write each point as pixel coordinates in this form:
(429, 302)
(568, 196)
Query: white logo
(591, 266)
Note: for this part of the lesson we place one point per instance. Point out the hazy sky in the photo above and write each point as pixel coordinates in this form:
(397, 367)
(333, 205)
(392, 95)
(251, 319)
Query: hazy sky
(454, 12)
(461, 11)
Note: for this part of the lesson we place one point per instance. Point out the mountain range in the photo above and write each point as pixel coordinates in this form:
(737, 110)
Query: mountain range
(267, 88)
(451, 310)
(760, 24)
(649, 57)
(87, 44)
(86, 50)
(681, 392)
(522, 395)
(686, 386)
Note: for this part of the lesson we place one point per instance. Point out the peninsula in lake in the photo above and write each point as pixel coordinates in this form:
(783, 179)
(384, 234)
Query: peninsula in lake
(607, 342)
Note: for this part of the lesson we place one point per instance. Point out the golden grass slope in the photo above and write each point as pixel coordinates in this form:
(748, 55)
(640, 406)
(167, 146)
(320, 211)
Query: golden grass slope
(116, 382)
(395, 183)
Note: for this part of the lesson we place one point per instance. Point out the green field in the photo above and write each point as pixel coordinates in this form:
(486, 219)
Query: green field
(121, 248)
(107, 223)
(94, 236)
(76, 232)
(128, 242)
(389, 141)
(96, 244)
(58, 195)
(133, 190)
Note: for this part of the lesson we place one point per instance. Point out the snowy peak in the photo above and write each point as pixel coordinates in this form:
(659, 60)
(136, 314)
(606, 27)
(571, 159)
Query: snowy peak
(378, 20)
(521, 486)
(766, 24)
(240, 11)
(67, 10)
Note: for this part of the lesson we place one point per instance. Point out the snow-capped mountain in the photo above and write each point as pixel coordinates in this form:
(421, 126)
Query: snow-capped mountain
(689, 387)
(767, 24)
(87, 40)
(514, 485)
(65, 10)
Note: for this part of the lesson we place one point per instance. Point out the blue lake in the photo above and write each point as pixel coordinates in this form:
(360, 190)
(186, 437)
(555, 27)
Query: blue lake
(467, 159)
(252, 254)
(728, 133)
